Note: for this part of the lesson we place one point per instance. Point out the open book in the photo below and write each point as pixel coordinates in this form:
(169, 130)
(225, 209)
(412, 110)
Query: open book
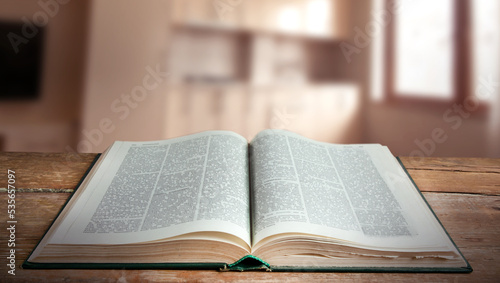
(280, 202)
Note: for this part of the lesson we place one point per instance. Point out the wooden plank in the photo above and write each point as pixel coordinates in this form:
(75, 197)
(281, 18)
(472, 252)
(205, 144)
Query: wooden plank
(464, 175)
(44, 171)
(456, 182)
(471, 220)
(453, 164)
(62, 171)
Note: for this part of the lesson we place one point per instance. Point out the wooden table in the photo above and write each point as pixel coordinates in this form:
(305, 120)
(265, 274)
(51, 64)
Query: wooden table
(464, 193)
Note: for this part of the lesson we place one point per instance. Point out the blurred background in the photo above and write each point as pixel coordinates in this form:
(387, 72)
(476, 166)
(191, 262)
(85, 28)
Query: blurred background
(421, 77)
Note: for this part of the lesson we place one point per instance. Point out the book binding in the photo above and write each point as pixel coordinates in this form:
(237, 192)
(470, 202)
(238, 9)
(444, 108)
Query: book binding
(246, 263)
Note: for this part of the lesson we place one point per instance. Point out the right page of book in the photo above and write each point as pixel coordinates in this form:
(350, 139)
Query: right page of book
(354, 193)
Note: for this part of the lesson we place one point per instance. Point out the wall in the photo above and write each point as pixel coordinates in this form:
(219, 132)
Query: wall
(494, 127)
(127, 43)
(406, 130)
(49, 123)
(356, 69)
(495, 117)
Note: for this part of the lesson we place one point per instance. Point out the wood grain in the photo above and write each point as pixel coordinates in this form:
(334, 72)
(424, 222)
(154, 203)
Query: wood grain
(471, 221)
(60, 172)
(455, 175)
(45, 171)
(464, 193)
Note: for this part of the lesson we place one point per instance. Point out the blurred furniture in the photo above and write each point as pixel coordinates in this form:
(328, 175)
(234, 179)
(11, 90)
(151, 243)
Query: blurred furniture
(246, 66)
(463, 192)
(326, 112)
(318, 18)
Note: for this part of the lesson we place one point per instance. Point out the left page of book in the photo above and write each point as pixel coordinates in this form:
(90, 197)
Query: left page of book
(148, 191)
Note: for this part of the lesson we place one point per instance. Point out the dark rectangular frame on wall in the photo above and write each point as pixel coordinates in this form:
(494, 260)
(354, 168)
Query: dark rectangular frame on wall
(21, 60)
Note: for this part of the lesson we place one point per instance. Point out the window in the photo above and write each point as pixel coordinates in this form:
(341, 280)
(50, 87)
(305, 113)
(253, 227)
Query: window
(436, 52)
(423, 49)
(486, 47)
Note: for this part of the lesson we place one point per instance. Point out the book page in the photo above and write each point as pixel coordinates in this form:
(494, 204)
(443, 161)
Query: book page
(147, 191)
(356, 193)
